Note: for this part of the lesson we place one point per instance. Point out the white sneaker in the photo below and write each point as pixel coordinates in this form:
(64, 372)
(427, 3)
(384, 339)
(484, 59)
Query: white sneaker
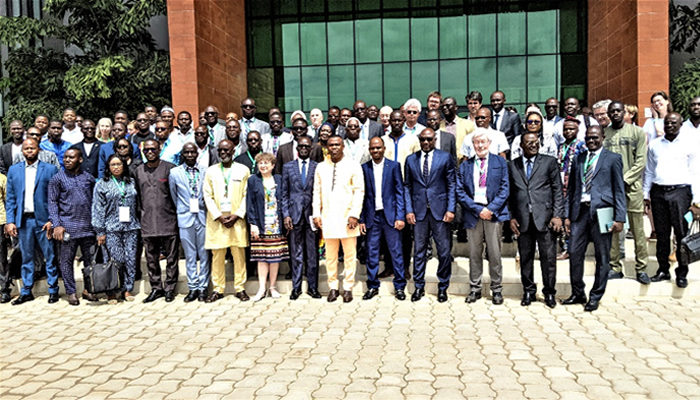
(274, 293)
(259, 296)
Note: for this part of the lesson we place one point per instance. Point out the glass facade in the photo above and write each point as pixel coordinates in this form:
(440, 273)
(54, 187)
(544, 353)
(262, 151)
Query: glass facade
(385, 51)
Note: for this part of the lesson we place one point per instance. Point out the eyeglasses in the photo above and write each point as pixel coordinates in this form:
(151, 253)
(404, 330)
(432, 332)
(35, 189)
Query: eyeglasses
(149, 150)
(354, 126)
(253, 140)
(275, 122)
(123, 146)
(210, 113)
(161, 129)
(411, 112)
(223, 150)
(247, 106)
(142, 120)
(426, 139)
(298, 128)
(533, 122)
(360, 109)
(303, 146)
(89, 128)
(550, 106)
(479, 117)
(590, 138)
(433, 119)
(200, 133)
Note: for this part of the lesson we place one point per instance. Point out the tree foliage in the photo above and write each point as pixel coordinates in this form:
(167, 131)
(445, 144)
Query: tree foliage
(684, 27)
(113, 63)
(685, 86)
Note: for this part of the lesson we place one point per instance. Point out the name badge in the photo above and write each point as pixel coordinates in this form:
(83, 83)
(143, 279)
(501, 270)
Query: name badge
(194, 205)
(225, 206)
(124, 214)
(586, 198)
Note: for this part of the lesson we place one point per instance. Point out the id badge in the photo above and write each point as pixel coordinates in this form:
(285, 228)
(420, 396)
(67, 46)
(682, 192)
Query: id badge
(225, 206)
(194, 205)
(124, 215)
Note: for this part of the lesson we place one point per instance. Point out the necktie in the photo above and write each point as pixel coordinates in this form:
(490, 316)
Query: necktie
(426, 172)
(211, 136)
(588, 171)
(482, 178)
(529, 169)
(495, 121)
(303, 173)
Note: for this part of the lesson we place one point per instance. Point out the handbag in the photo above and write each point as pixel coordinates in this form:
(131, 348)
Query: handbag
(103, 277)
(690, 245)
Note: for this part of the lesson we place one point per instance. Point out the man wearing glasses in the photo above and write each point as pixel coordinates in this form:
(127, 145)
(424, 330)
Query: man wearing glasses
(56, 144)
(288, 151)
(411, 109)
(217, 132)
(497, 139)
(249, 122)
(144, 131)
(89, 148)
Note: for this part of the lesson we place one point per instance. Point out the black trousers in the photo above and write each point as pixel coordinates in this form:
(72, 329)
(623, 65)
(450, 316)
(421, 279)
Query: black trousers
(527, 243)
(152, 246)
(669, 204)
(5, 280)
(585, 229)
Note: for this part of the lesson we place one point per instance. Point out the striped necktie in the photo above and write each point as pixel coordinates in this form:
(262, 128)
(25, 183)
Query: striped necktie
(588, 172)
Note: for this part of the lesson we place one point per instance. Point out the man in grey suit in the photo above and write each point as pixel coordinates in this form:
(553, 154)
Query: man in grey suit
(368, 128)
(445, 141)
(248, 122)
(536, 209)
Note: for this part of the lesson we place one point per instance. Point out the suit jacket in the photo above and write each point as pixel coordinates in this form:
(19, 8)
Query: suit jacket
(511, 125)
(439, 188)
(15, 193)
(91, 162)
(286, 154)
(295, 199)
(255, 203)
(106, 150)
(607, 190)
(392, 193)
(448, 143)
(497, 190)
(5, 158)
(181, 193)
(375, 129)
(540, 196)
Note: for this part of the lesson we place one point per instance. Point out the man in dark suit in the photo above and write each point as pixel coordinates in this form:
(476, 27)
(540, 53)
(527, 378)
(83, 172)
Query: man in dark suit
(595, 182)
(368, 128)
(90, 148)
(482, 190)
(430, 206)
(8, 150)
(28, 217)
(383, 217)
(503, 120)
(297, 189)
(536, 211)
(288, 151)
(445, 140)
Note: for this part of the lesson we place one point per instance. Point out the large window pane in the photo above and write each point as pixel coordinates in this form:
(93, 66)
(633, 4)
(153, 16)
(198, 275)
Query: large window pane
(369, 83)
(340, 43)
(542, 76)
(424, 78)
(482, 35)
(342, 85)
(315, 87)
(340, 6)
(396, 39)
(396, 84)
(424, 43)
(313, 43)
(453, 37)
(261, 35)
(290, 44)
(542, 32)
(482, 76)
(453, 79)
(367, 39)
(512, 79)
(292, 89)
(312, 6)
(511, 34)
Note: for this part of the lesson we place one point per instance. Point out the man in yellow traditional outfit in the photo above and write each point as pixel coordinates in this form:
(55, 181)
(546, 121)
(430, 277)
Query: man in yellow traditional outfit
(224, 194)
(339, 190)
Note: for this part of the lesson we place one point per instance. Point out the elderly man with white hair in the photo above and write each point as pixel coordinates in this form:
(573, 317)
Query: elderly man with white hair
(384, 115)
(600, 112)
(316, 116)
(411, 111)
(356, 148)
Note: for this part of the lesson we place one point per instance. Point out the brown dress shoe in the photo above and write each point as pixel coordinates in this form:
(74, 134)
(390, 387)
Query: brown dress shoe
(242, 296)
(347, 296)
(214, 297)
(333, 295)
(73, 299)
(89, 297)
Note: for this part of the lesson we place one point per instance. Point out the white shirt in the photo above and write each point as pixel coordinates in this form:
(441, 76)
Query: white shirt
(16, 151)
(378, 174)
(271, 144)
(308, 163)
(499, 121)
(423, 155)
(437, 139)
(29, 182)
(673, 163)
(88, 148)
(550, 123)
(479, 192)
(688, 129)
(73, 136)
(364, 130)
(203, 158)
(559, 129)
(499, 143)
(357, 150)
(594, 156)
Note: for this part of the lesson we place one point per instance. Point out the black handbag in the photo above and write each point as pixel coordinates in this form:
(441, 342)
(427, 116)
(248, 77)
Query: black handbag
(690, 245)
(104, 277)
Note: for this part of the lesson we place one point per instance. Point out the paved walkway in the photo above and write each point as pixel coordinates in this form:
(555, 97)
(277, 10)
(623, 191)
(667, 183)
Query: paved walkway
(632, 348)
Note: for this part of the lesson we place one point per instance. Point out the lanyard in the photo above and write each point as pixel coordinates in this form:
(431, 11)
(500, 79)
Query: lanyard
(122, 188)
(396, 146)
(589, 163)
(226, 178)
(483, 166)
(565, 151)
(252, 160)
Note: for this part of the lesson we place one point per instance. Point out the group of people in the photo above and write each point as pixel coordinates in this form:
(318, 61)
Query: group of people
(365, 182)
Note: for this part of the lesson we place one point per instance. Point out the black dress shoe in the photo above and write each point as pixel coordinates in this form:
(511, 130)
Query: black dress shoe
(169, 296)
(191, 296)
(154, 295)
(497, 298)
(347, 296)
(442, 295)
(53, 298)
(214, 297)
(527, 299)
(661, 276)
(294, 294)
(314, 293)
(592, 305)
(23, 298)
(333, 295)
(418, 294)
(550, 301)
(370, 293)
(202, 296)
(473, 297)
(643, 278)
(574, 300)
(5, 297)
(400, 295)
(615, 275)
(681, 282)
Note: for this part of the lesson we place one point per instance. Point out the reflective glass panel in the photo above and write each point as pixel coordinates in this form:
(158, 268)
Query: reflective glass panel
(396, 84)
(512, 79)
(395, 39)
(341, 80)
(511, 34)
(315, 87)
(290, 44)
(482, 35)
(424, 76)
(542, 32)
(369, 83)
(453, 37)
(482, 76)
(367, 41)
(292, 89)
(313, 39)
(424, 43)
(453, 79)
(542, 78)
(340, 42)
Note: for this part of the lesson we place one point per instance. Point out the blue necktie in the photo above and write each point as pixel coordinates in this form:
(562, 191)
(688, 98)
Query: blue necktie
(426, 172)
(529, 169)
(303, 173)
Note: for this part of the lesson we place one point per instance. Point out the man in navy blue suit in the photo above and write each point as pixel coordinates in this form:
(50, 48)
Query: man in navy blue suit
(297, 189)
(430, 206)
(482, 189)
(595, 182)
(28, 217)
(383, 216)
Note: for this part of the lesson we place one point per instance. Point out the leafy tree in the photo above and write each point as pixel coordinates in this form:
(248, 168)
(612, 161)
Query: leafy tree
(684, 86)
(114, 63)
(684, 27)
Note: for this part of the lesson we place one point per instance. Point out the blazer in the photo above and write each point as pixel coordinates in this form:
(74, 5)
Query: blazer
(286, 154)
(181, 193)
(296, 200)
(91, 162)
(439, 188)
(392, 193)
(15, 193)
(5, 157)
(375, 129)
(448, 143)
(540, 196)
(511, 125)
(255, 203)
(497, 190)
(607, 190)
